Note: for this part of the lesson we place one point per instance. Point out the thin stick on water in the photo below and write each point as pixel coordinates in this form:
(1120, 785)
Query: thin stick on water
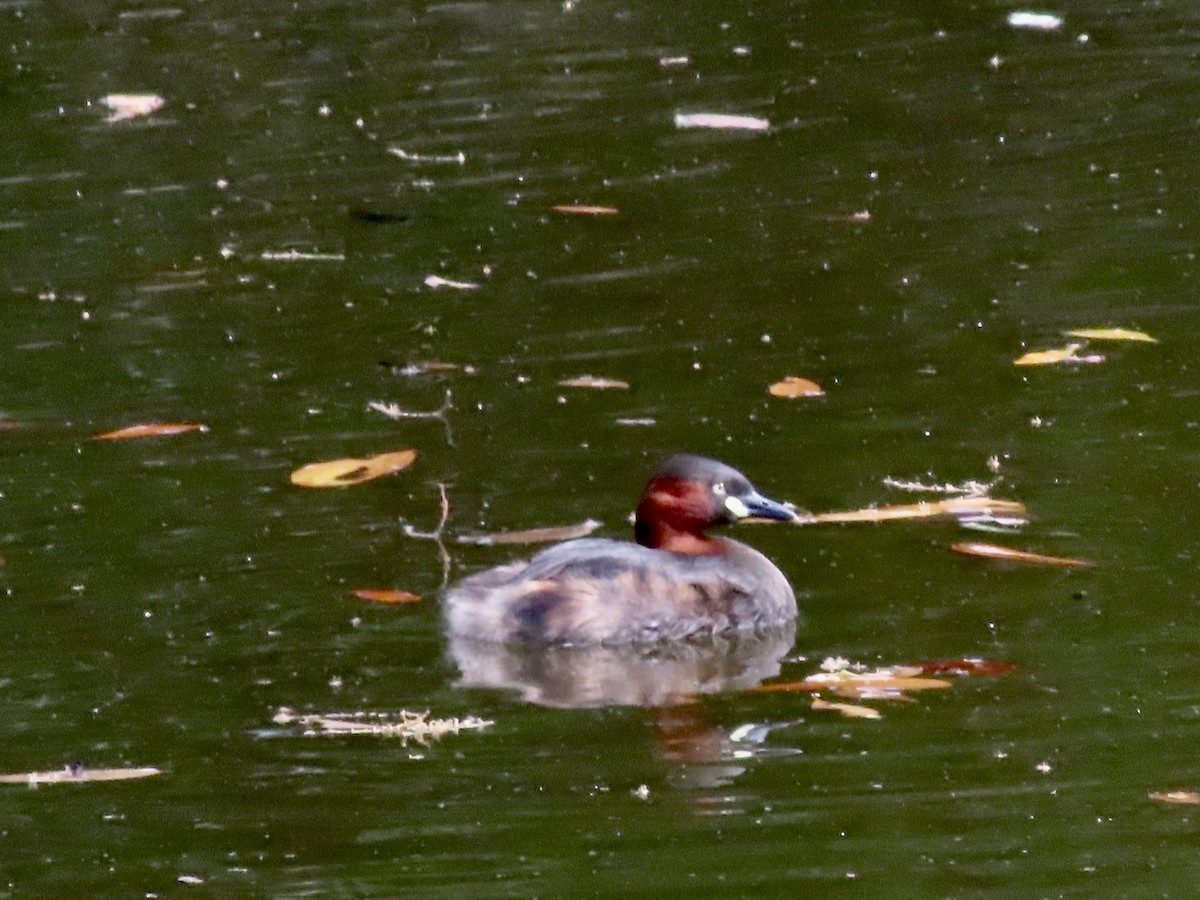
(438, 534)
(955, 507)
(395, 411)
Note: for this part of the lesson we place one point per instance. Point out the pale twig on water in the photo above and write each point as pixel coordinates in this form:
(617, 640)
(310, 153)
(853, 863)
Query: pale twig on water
(437, 535)
(394, 411)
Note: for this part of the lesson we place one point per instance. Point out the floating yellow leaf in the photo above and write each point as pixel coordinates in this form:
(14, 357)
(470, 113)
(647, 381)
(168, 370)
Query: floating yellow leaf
(152, 429)
(1008, 554)
(532, 535)
(793, 387)
(849, 710)
(346, 472)
(1112, 334)
(575, 209)
(1184, 798)
(595, 383)
(383, 595)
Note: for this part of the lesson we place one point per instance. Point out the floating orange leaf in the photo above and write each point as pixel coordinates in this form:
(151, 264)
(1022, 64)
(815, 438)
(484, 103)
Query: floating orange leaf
(577, 209)
(793, 387)
(1112, 334)
(390, 597)
(346, 472)
(1060, 355)
(152, 429)
(1184, 798)
(849, 710)
(1008, 554)
(532, 535)
(595, 382)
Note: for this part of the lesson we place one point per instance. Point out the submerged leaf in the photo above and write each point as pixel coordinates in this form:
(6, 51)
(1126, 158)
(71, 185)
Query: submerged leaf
(386, 596)
(595, 382)
(346, 472)
(1112, 334)
(793, 387)
(152, 429)
(1008, 554)
(532, 535)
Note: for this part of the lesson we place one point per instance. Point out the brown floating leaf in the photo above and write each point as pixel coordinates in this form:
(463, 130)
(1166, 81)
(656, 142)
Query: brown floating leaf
(78, 774)
(1112, 334)
(973, 665)
(151, 429)
(382, 595)
(957, 507)
(793, 387)
(532, 535)
(573, 209)
(1183, 798)
(346, 472)
(1008, 554)
(595, 382)
(847, 709)
(1060, 355)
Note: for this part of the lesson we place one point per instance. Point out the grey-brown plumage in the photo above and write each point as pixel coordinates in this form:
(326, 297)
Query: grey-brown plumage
(675, 583)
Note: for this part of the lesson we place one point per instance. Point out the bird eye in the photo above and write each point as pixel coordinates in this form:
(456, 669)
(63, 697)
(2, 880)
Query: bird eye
(719, 489)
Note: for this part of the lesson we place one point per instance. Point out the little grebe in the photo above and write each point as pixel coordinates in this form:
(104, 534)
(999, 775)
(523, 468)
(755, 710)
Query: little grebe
(676, 581)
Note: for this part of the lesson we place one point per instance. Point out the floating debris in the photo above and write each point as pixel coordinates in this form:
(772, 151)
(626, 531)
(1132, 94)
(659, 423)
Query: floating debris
(1036, 21)
(300, 256)
(347, 472)
(1068, 354)
(457, 159)
(966, 489)
(793, 387)
(437, 281)
(132, 106)
(584, 210)
(151, 429)
(405, 725)
(849, 710)
(532, 535)
(386, 596)
(722, 121)
(595, 382)
(78, 773)
(1112, 334)
(1008, 512)
(1181, 798)
(1008, 554)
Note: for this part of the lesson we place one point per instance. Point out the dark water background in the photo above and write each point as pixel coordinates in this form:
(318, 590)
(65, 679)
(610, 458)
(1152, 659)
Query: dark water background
(162, 599)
